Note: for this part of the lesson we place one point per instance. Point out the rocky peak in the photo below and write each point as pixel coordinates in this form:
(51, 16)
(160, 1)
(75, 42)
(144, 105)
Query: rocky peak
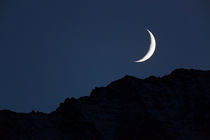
(175, 106)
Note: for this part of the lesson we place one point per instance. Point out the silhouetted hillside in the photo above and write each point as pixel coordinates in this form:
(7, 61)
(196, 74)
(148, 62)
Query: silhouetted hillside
(173, 107)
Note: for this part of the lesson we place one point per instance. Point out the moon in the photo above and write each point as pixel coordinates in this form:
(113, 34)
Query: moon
(151, 48)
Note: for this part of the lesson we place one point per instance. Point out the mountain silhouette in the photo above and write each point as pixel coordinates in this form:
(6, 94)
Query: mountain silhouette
(172, 107)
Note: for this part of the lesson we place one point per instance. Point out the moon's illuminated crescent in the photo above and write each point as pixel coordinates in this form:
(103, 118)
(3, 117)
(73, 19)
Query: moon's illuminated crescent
(151, 48)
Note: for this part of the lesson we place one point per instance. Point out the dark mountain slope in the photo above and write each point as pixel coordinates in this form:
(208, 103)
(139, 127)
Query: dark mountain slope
(175, 107)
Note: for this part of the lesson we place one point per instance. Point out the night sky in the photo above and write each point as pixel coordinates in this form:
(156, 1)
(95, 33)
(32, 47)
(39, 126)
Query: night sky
(51, 50)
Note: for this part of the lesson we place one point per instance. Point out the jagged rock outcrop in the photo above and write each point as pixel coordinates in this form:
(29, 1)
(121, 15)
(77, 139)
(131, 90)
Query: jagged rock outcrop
(175, 107)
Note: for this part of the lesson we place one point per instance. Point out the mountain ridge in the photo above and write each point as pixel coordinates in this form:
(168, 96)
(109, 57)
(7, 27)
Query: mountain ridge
(174, 106)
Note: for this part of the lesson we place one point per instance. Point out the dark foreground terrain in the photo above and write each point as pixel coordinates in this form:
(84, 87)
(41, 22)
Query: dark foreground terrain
(173, 107)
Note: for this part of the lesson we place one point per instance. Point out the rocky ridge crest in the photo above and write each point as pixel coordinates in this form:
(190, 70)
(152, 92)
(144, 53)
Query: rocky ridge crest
(175, 106)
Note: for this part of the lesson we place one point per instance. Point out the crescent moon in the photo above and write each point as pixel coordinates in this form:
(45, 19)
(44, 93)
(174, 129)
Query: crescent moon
(151, 48)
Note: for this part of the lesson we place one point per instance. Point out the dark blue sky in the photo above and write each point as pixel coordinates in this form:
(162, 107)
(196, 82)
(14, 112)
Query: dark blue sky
(51, 50)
